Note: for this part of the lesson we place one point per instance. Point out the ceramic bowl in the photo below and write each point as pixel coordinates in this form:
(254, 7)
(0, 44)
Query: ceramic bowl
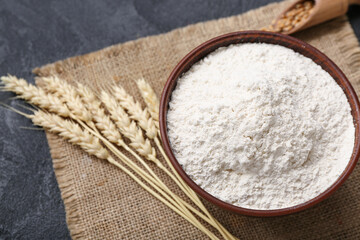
(271, 38)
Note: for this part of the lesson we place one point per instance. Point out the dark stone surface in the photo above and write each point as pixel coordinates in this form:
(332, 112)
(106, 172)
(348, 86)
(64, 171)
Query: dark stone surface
(33, 33)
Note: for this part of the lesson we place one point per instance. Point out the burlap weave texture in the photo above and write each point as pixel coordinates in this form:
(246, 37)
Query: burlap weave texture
(101, 202)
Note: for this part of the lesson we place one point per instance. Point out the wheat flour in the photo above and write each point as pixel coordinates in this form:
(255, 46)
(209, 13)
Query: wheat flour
(260, 126)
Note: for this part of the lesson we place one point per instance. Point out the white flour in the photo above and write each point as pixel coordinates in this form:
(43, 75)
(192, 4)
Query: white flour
(260, 126)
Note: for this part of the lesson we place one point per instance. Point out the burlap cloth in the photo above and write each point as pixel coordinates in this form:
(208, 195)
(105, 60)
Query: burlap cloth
(101, 202)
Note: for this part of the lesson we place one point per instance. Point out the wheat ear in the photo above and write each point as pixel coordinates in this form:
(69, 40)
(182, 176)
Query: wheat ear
(128, 127)
(108, 128)
(68, 94)
(70, 131)
(34, 95)
(135, 111)
(90, 144)
(150, 98)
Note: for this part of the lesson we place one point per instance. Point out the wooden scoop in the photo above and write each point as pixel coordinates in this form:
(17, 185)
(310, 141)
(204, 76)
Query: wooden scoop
(323, 11)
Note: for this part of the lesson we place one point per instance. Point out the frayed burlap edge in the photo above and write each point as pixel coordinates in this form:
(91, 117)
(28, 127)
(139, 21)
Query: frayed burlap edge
(66, 183)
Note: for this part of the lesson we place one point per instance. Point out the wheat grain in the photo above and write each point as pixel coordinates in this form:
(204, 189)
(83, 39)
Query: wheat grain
(88, 95)
(68, 94)
(135, 111)
(150, 98)
(34, 95)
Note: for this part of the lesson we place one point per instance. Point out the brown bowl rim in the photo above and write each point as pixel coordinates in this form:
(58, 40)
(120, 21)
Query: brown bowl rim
(283, 40)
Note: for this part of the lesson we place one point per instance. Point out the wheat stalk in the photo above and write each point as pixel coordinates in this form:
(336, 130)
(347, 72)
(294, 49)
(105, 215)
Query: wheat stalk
(150, 98)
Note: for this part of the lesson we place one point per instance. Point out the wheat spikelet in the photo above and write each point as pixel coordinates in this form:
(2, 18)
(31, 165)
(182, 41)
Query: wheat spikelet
(136, 112)
(128, 127)
(88, 95)
(150, 98)
(69, 95)
(71, 132)
(34, 95)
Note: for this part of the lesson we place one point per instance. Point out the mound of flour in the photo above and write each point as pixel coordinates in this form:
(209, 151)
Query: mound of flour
(260, 126)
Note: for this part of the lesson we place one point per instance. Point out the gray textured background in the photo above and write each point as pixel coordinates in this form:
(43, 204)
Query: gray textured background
(33, 33)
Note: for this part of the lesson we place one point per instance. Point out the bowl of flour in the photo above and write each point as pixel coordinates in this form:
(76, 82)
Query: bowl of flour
(260, 123)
